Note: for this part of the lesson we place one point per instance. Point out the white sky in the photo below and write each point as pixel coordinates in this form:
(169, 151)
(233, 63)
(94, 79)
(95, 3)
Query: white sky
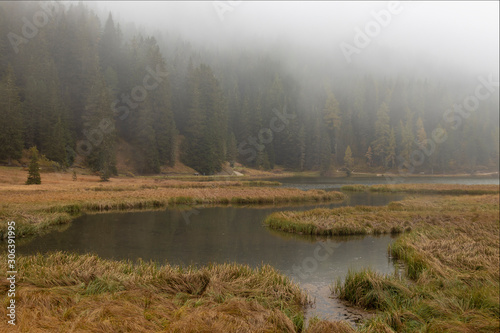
(463, 34)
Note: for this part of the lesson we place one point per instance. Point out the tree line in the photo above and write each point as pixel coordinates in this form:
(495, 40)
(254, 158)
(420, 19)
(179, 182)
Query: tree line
(81, 89)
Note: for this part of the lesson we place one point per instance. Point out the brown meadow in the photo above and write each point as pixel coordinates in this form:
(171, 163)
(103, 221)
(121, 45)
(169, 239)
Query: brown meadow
(59, 199)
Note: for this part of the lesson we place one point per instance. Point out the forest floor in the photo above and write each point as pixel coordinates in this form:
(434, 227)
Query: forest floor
(449, 249)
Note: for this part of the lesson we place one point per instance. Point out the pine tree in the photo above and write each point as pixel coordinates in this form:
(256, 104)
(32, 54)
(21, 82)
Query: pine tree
(262, 161)
(302, 148)
(348, 160)
(146, 150)
(382, 134)
(109, 45)
(163, 117)
(332, 119)
(407, 137)
(11, 127)
(34, 168)
(232, 150)
(369, 156)
(421, 134)
(390, 159)
(45, 108)
(331, 112)
(3, 42)
(274, 101)
(325, 152)
(99, 129)
(421, 141)
(206, 130)
(495, 154)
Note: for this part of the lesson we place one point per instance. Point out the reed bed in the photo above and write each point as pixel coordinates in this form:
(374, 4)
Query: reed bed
(451, 265)
(66, 292)
(395, 218)
(355, 188)
(426, 188)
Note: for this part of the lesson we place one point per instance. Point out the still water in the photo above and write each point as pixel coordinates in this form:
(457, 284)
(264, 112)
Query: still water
(228, 234)
(334, 183)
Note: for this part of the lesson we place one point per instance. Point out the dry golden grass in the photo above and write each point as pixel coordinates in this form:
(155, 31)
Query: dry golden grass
(396, 217)
(426, 188)
(65, 293)
(61, 292)
(59, 199)
(451, 258)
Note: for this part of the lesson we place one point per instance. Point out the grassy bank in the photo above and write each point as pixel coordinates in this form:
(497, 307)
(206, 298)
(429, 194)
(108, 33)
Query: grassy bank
(450, 255)
(59, 199)
(451, 279)
(62, 292)
(425, 188)
(397, 217)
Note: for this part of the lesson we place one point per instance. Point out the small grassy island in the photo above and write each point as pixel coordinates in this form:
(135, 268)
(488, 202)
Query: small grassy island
(60, 199)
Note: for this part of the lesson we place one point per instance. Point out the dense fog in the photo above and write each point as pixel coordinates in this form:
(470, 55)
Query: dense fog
(401, 86)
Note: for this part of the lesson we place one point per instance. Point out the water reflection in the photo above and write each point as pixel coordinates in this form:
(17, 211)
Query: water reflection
(225, 234)
(334, 183)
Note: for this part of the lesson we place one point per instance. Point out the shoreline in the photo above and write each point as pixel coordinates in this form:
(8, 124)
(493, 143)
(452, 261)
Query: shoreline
(59, 199)
(88, 293)
(450, 250)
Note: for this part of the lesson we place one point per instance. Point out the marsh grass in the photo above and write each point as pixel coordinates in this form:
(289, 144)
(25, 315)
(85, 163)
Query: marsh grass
(60, 199)
(451, 276)
(344, 221)
(64, 292)
(370, 290)
(355, 188)
(451, 189)
(397, 217)
(323, 326)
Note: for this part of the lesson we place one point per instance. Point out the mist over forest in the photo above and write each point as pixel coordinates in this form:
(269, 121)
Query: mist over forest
(143, 87)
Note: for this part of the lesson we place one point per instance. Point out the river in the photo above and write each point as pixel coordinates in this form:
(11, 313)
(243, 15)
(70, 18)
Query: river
(201, 235)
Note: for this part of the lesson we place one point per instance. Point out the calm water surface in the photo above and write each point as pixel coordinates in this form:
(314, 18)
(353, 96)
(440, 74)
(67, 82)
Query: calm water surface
(331, 183)
(227, 234)
(204, 235)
